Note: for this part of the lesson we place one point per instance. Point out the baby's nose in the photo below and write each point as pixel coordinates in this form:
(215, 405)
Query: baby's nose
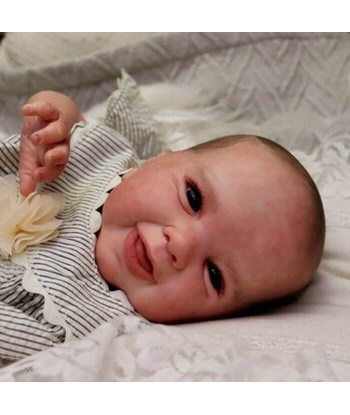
(181, 244)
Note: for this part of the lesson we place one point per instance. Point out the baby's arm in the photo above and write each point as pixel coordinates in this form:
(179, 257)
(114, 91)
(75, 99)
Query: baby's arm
(44, 149)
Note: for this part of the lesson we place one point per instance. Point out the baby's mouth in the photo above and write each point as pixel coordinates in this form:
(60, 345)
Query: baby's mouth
(137, 259)
(142, 255)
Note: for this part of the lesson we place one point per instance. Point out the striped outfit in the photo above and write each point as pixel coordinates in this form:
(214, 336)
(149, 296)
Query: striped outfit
(54, 292)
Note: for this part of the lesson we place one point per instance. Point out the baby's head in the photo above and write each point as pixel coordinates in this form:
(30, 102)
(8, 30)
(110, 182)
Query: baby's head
(212, 230)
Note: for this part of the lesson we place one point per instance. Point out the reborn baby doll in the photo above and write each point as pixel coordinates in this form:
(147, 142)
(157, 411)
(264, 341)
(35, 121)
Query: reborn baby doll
(190, 235)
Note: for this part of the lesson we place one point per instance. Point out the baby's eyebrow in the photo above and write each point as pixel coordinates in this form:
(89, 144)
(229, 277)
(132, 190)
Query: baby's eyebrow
(211, 195)
(233, 275)
(208, 188)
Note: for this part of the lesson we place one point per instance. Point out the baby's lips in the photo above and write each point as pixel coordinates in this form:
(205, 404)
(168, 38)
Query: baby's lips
(142, 254)
(134, 256)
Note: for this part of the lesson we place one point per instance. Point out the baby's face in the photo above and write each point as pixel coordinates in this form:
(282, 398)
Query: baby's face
(192, 236)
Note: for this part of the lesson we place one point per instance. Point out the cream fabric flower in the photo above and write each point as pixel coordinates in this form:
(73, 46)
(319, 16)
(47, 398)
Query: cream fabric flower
(27, 220)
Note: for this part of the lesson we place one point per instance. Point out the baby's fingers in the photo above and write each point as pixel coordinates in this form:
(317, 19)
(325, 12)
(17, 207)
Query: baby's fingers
(26, 184)
(44, 110)
(55, 132)
(58, 155)
(47, 173)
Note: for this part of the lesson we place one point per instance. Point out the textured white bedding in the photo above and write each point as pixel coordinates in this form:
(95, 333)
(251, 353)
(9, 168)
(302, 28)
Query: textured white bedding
(291, 87)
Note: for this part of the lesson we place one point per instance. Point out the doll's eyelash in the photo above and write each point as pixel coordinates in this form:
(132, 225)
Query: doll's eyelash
(194, 196)
(216, 278)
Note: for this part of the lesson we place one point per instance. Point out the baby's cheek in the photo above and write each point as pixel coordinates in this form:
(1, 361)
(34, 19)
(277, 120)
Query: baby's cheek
(176, 297)
(120, 206)
(145, 300)
(141, 202)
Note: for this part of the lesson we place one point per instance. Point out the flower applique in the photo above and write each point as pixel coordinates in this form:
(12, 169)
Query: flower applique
(26, 221)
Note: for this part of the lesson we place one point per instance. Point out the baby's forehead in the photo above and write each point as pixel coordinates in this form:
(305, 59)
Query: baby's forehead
(248, 152)
(255, 161)
(252, 168)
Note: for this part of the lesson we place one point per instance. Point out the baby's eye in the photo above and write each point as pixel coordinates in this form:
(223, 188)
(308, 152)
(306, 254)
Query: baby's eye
(194, 196)
(216, 278)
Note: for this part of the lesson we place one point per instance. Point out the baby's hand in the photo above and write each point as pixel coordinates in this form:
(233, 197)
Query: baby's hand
(44, 147)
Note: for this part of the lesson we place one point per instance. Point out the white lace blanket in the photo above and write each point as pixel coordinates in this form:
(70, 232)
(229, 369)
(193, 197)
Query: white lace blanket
(118, 350)
(291, 87)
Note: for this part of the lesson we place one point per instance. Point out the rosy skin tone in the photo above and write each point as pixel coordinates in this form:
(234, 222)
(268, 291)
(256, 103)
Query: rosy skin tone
(193, 236)
(206, 246)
